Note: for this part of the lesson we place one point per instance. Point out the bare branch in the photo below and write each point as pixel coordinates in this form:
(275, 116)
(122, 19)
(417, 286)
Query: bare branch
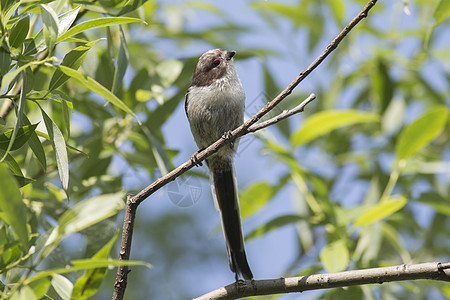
(125, 248)
(432, 270)
(202, 155)
(285, 114)
(243, 129)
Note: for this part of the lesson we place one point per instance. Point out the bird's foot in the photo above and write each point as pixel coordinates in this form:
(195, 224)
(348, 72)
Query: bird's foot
(227, 136)
(194, 158)
(239, 283)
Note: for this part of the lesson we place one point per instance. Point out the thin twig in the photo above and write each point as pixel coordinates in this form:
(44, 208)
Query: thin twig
(285, 114)
(241, 130)
(432, 270)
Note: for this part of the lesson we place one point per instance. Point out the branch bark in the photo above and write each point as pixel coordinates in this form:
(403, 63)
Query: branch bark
(283, 115)
(125, 248)
(431, 270)
(244, 128)
(238, 132)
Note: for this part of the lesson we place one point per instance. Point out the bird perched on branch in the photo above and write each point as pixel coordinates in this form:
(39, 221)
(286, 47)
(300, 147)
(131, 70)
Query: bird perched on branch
(215, 106)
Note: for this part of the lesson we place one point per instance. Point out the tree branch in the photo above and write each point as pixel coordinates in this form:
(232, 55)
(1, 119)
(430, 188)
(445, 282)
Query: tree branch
(125, 248)
(432, 270)
(243, 129)
(240, 131)
(284, 114)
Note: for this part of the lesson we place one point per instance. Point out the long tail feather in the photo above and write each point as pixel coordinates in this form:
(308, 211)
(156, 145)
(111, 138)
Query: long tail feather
(227, 200)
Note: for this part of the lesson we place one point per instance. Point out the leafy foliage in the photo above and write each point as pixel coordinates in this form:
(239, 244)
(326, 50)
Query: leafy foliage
(87, 88)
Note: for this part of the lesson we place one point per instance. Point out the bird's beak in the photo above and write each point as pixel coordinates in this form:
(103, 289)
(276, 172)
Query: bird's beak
(230, 54)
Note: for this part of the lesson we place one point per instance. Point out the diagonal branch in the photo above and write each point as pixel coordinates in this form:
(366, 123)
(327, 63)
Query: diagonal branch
(432, 270)
(284, 115)
(243, 129)
(134, 201)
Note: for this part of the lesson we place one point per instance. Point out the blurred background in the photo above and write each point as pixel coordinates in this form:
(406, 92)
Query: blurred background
(360, 179)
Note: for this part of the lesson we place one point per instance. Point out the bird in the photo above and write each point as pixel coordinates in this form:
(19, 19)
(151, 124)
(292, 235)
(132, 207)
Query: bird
(215, 104)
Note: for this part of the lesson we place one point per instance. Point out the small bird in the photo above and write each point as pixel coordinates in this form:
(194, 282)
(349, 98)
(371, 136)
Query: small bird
(214, 106)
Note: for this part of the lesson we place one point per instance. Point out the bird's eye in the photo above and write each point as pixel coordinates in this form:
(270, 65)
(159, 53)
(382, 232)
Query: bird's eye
(216, 63)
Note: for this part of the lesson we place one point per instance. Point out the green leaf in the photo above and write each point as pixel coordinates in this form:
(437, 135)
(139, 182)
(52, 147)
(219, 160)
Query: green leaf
(424, 87)
(392, 119)
(10, 11)
(12, 164)
(66, 20)
(23, 134)
(22, 181)
(10, 248)
(90, 211)
(25, 293)
(66, 112)
(86, 264)
(73, 60)
(441, 12)
(19, 116)
(421, 132)
(40, 287)
(19, 32)
(122, 63)
(338, 10)
(445, 290)
(335, 256)
(88, 284)
(12, 206)
(62, 108)
(130, 6)
(29, 47)
(96, 23)
(254, 197)
(104, 73)
(159, 152)
(382, 84)
(8, 78)
(5, 62)
(106, 262)
(98, 89)
(35, 145)
(50, 26)
(273, 224)
(62, 286)
(59, 146)
(326, 121)
(143, 95)
(169, 70)
(381, 210)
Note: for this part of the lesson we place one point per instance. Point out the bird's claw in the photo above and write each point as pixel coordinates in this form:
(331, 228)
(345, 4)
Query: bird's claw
(227, 136)
(194, 159)
(239, 283)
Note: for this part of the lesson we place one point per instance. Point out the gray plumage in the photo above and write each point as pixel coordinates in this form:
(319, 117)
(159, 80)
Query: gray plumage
(214, 106)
